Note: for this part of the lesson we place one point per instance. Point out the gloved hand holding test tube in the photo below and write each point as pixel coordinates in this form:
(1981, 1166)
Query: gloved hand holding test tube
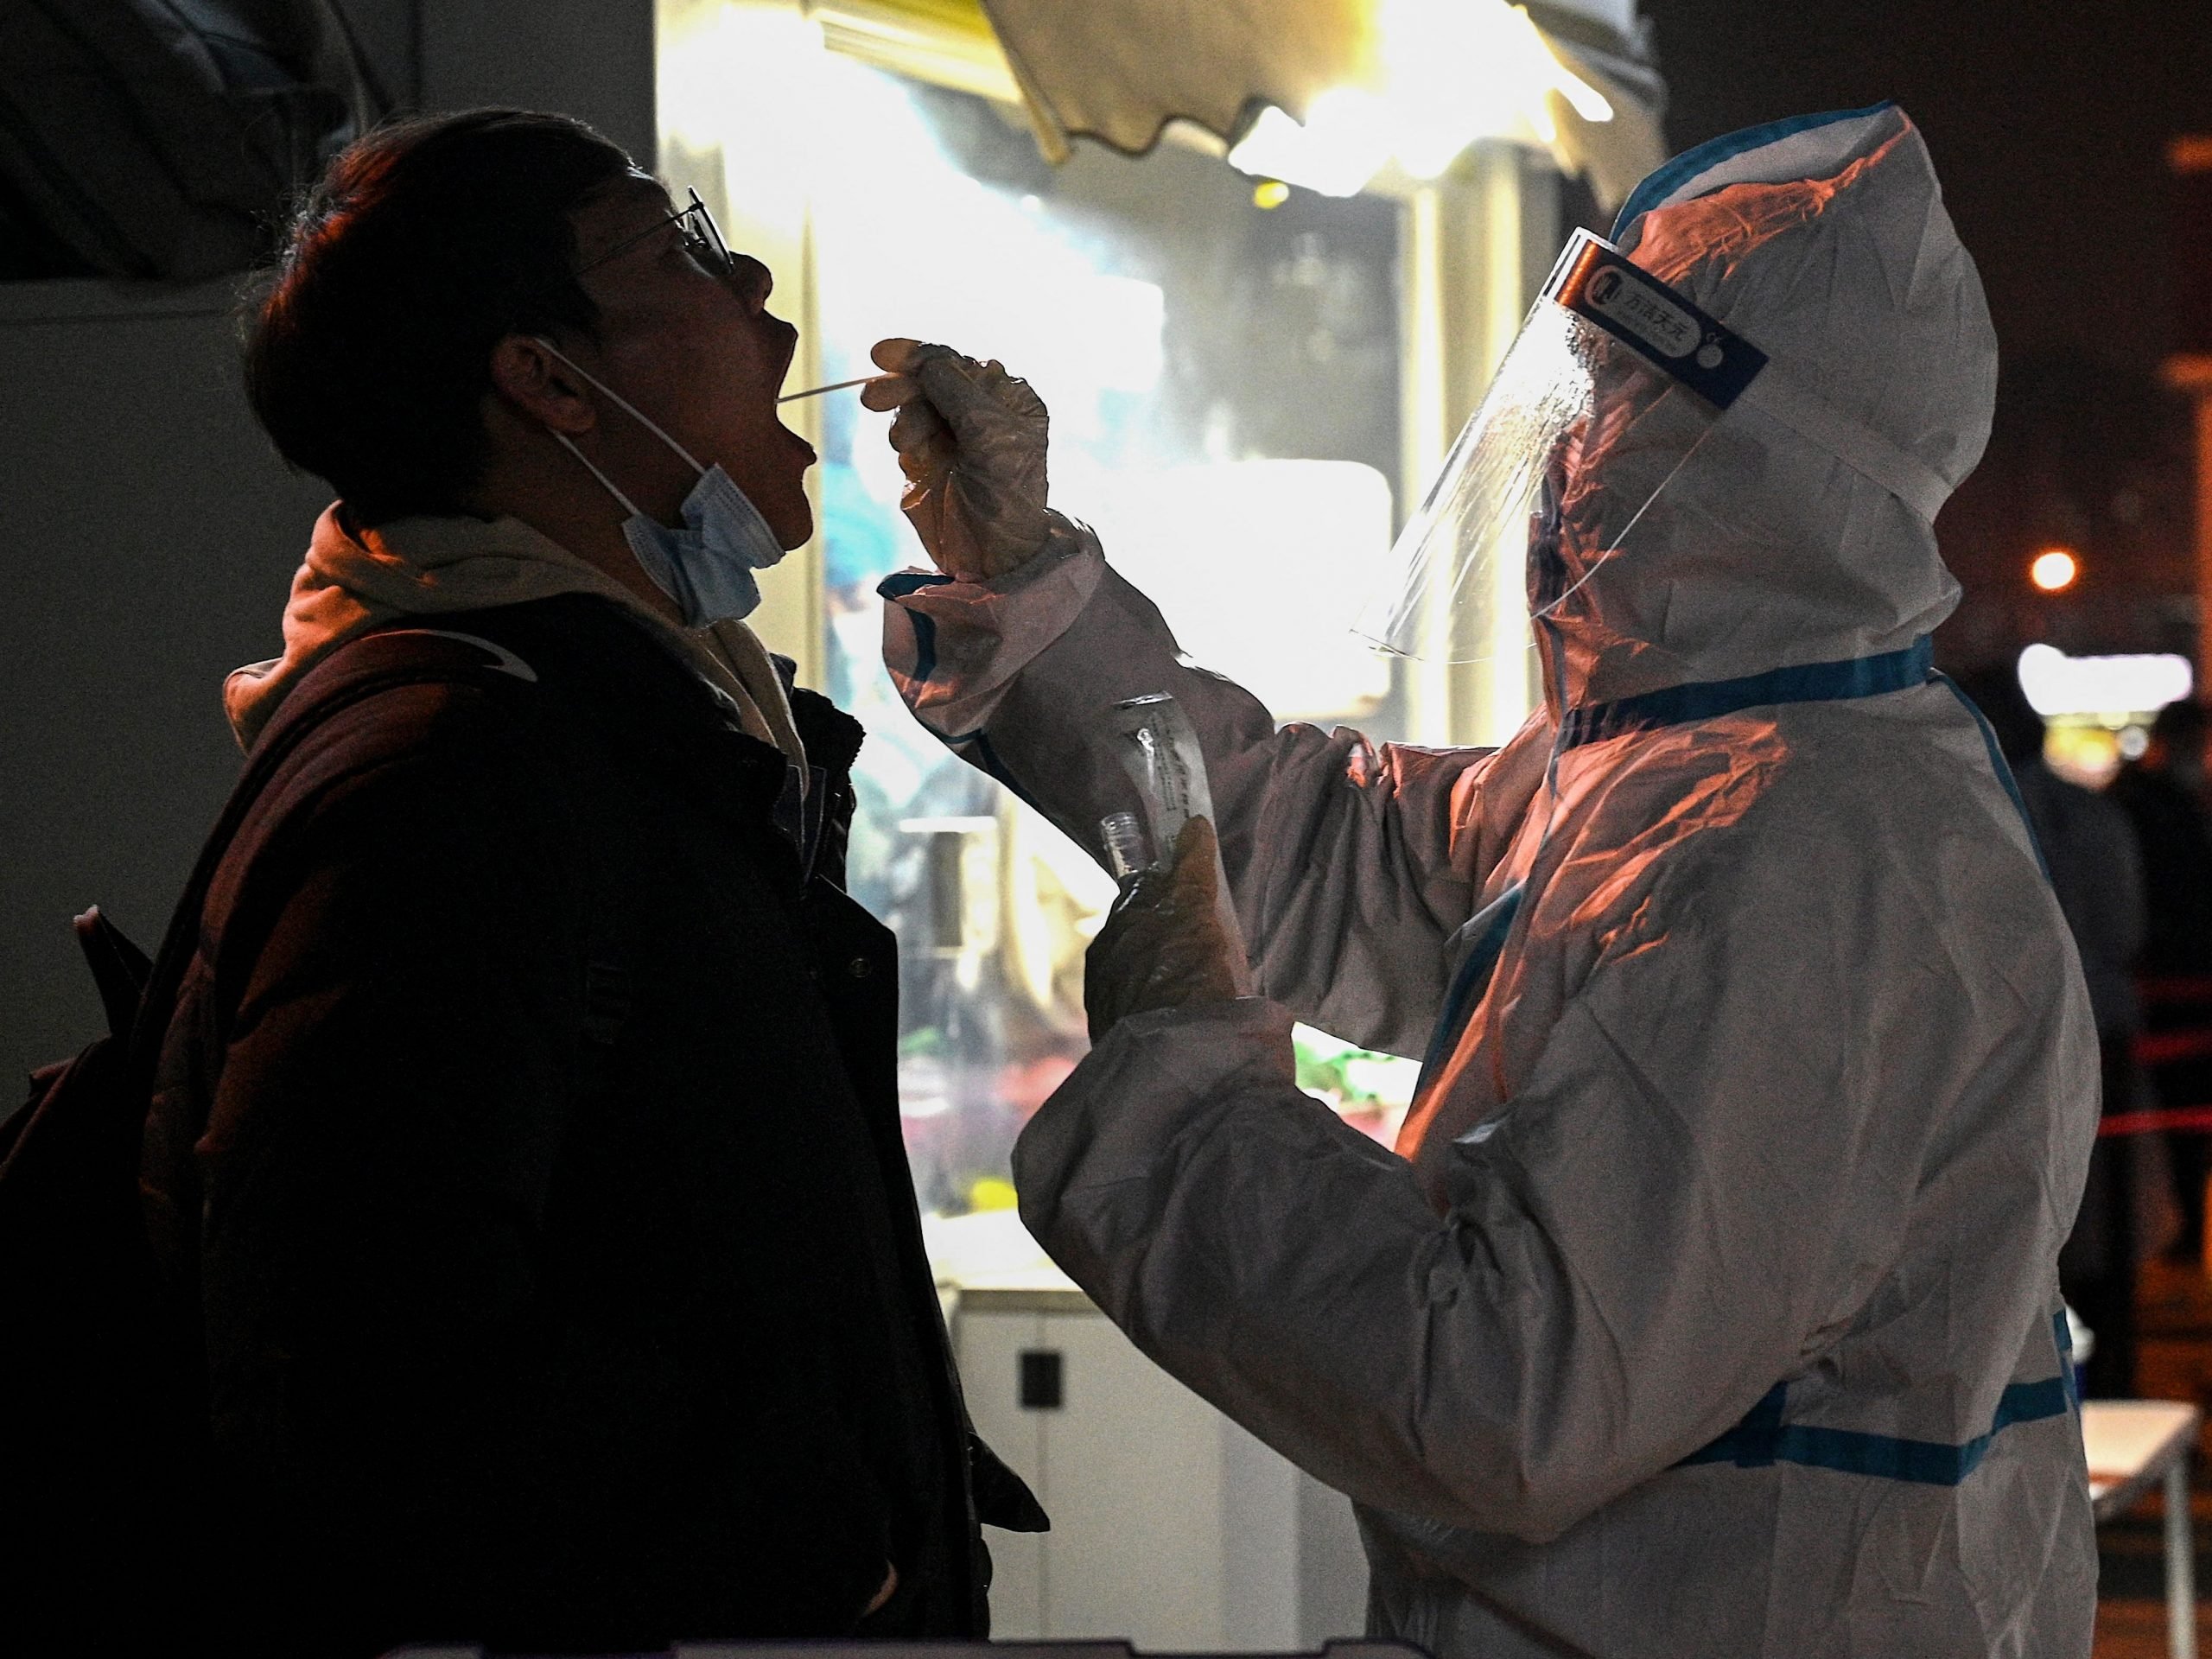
(1173, 938)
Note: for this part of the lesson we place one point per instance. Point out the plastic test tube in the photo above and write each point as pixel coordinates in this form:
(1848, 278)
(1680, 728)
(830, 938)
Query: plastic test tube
(1123, 836)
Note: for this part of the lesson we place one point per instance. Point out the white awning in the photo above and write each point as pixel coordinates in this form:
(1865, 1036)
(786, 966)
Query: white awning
(1419, 73)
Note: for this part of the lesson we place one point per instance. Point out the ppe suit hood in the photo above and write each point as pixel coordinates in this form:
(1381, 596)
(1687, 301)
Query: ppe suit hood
(354, 580)
(1825, 243)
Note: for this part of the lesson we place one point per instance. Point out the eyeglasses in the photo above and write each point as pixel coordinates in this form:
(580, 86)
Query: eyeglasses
(696, 227)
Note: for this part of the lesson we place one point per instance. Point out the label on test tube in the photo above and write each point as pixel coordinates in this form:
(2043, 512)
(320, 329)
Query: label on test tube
(1164, 760)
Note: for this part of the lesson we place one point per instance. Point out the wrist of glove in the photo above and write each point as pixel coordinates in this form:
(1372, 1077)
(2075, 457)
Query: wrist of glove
(971, 440)
(1163, 945)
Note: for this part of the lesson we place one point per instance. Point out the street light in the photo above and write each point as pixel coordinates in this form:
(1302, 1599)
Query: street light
(2054, 570)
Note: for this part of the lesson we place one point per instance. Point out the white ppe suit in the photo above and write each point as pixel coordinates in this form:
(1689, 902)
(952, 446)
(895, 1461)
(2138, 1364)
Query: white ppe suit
(1711, 1308)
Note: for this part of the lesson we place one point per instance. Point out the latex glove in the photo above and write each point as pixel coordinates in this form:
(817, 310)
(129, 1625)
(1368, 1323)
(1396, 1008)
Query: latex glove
(1162, 946)
(970, 439)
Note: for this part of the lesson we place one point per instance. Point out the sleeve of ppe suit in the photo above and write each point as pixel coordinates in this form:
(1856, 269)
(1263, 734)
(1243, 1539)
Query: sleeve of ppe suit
(1343, 857)
(1654, 1232)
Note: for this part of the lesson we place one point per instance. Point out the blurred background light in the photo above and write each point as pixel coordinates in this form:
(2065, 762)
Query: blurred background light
(2055, 684)
(2054, 570)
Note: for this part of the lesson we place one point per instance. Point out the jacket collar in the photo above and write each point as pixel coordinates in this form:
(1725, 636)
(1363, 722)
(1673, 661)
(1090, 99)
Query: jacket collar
(651, 704)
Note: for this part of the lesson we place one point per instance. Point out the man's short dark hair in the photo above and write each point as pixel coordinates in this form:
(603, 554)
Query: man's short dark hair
(425, 243)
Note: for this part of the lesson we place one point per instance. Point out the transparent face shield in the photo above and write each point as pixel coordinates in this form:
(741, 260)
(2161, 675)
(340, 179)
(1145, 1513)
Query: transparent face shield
(1611, 387)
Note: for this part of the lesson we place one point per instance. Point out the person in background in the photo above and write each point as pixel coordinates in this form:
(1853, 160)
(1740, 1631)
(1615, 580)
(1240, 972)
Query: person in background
(528, 1135)
(2088, 847)
(2163, 794)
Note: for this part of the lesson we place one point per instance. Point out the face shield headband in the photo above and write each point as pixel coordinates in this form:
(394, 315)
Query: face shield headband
(1611, 384)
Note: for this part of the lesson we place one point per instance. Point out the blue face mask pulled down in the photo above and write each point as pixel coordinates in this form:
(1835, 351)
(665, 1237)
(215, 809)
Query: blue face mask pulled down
(706, 563)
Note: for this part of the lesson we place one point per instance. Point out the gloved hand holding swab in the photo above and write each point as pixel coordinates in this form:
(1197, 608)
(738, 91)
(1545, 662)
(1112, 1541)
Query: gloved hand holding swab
(971, 440)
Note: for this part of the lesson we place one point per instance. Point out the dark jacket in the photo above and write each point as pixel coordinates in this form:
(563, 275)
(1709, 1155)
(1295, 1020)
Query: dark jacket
(2088, 845)
(529, 1133)
(2177, 846)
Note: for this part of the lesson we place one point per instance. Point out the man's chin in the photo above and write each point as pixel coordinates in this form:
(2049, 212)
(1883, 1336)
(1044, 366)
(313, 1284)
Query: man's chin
(793, 527)
(800, 444)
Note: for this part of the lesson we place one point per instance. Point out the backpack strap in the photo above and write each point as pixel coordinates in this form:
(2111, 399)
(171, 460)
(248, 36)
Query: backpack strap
(367, 666)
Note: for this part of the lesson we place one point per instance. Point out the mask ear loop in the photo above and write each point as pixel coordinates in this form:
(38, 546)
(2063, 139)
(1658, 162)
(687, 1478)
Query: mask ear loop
(609, 484)
(627, 407)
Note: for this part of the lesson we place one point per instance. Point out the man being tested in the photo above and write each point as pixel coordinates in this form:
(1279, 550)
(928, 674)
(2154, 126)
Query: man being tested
(1712, 1307)
(528, 1132)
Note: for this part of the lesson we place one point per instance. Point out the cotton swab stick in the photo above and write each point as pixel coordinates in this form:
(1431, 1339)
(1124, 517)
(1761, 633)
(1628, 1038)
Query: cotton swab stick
(837, 386)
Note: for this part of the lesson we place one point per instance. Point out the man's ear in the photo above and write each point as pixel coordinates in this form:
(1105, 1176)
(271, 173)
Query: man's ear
(539, 387)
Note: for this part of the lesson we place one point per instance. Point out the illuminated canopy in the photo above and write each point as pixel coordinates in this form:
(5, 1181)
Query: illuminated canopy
(1320, 92)
(1371, 81)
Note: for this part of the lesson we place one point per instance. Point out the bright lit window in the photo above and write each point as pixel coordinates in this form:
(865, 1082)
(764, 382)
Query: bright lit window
(1177, 331)
(1242, 379)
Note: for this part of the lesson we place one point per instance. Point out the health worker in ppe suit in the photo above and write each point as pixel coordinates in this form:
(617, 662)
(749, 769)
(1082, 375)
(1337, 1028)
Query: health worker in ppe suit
(1710, 1306)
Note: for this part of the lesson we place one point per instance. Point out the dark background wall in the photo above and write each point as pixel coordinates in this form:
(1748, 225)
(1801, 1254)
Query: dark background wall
(147, 535)
(147, 532)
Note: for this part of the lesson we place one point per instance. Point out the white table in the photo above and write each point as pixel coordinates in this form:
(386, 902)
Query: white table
(2132, 1445)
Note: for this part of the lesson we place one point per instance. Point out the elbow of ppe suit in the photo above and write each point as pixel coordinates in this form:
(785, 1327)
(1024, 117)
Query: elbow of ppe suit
(1539, 1499)
(1445, 1403)
(1520, 1406)
(1525, 1513)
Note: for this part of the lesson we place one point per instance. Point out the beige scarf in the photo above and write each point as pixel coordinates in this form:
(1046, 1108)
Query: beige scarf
(351, 581)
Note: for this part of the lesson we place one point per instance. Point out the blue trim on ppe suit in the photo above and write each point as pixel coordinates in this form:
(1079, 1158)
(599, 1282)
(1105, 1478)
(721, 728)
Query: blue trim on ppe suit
(1762, 1438)
(1855, 676)
(1657, 186)
(899, 587)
